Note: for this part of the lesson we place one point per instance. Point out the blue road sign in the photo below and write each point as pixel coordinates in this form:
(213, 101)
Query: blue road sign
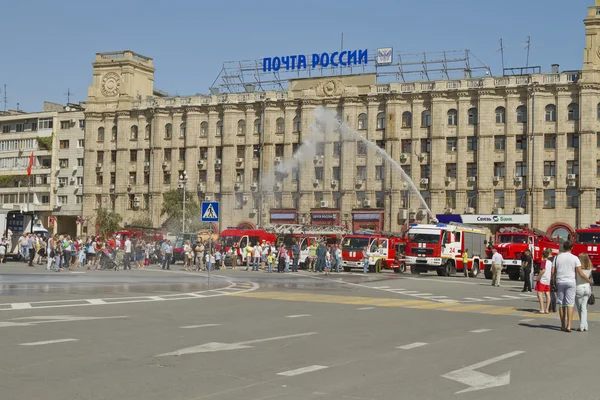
(210, 211)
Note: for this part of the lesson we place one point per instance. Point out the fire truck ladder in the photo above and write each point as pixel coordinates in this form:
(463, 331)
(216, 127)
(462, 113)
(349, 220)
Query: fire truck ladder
(296, 229)
(466, 226)
(374, 232)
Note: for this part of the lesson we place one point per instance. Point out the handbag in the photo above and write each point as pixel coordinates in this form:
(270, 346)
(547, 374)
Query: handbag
(592, 299)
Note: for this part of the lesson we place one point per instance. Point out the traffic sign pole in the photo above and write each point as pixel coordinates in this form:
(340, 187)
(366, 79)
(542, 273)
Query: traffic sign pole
(210, 213)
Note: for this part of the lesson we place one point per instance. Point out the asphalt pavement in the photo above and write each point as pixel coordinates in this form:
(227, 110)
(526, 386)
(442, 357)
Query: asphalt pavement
(155, 334)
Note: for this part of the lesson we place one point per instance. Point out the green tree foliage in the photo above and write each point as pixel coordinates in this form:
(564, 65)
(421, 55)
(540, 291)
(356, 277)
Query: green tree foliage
(142, 220)
(173, 208)
(107, 221)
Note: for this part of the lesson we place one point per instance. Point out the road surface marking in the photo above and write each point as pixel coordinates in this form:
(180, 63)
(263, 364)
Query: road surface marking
(216, 346)
(155, 298)
(198, 326)
(510, 297)
(20, 306)
(501, 311)
(478, 380)
(412, 346)
(527, 320)
(480, 330)
(380, 287)
(304, 370)
(365, 308)
(435, 306)
(438, 297)
(423, 294)
(298, 316)
(48, 342)
(77, 272)
(491, 298)
(96, 301)
(470, 308)
(527, 295)
(472, 299)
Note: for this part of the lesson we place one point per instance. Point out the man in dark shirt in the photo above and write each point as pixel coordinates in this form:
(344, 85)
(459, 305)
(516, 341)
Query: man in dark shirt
(526, 265)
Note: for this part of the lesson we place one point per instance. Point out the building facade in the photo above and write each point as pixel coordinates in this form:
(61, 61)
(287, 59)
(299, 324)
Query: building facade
(494, 145)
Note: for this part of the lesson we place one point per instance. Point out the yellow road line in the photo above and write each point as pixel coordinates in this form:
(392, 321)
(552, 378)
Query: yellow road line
(502, 311)
(433, 306)
(471, 308)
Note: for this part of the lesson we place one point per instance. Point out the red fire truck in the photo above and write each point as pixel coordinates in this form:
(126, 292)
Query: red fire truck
(243, 237)
(386, 251)
(352, 250)
(440, 247)
(511, 243)
(587, 240)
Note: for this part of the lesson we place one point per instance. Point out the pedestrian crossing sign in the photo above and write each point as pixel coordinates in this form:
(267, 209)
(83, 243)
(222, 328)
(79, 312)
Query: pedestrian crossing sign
(210, 211)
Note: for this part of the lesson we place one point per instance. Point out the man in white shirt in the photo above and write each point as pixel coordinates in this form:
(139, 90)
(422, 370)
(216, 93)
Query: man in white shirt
(127, 258)
(497, 261)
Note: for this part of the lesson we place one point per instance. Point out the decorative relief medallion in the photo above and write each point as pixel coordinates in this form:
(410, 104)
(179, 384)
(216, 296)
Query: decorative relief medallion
(110, 84)
(330, 88)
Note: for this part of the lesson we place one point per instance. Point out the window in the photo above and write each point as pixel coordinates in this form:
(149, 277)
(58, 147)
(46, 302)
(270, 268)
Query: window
(426, 119)
(522, 114)
(133, 155)
(147, 155)
(202, 176)
(63, 144)
(64, 125)
(473, 116)
(241, 127)
(256, 151)
(380, 144)
(407, 119)
(361, 148)
(549, 198)
(239, 175)
(279, 125)
(598, 111)
(598, 139)
(5, 128)
(318, 197)
(407, 170)
(182, 154)
(521, 168)
(451, 144)
(168, 131)
(319, 174)
(63, 163)
(381, 121)
(132, 178)
(148, 132)
(62, 181)
(425, 145)
(80, 143)
(549, 168)
(133, 132)
(101, 134)
(19, 127)
(380, 199)
(204, 153)
(80, 162)
(167, 177)
(279, 150)
(451, 170)
(337, 200)
(360, 198)
(499, 169)
(62, 200)
(167, 155)
(426, 171)
(113, 178)
(337, 149)
(146, 177)
(500, 115)
(572, 198)
(182, 130)
(598, 167)
(362, 121)
(295, 147)
(406, 145)
(113, 156)
(379, 172)
(472, 198)
(572, 167)
(99, 179)
(597, 198)
(451, 199)
(80, 180)
(240, 152)
(550, 113)
(452, 117)
(257, 126)
(550, 141)
(45, 123)
(239, 201)
(472, 169)
(219, 130)
(426, 197)
(472, 143)
(499, 142)
(498, 198)
(79, 199)
(82, 124)
(297, 124)
(204, 128)
(361, 173)
(336, 174)
(219, 152)
(521, 142)
(113, 134)
(100, 157)
(573, 112)
(573, 140)
(98, 202)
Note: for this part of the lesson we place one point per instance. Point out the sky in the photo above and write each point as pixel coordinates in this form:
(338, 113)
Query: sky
(48, 47)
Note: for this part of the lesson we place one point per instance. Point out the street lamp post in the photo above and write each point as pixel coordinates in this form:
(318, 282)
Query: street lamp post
(182, 184)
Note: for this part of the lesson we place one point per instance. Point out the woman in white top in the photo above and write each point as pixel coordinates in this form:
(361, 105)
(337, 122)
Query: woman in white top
(542, 287)
(583, 291)
(187, 251)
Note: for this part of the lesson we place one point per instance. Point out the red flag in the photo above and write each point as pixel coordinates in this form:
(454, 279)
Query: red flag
(30, 164)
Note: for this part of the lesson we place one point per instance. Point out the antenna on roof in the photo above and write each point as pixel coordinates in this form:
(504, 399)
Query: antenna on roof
(5, 98)
(68, 94)
(527, 46)
(502, 55)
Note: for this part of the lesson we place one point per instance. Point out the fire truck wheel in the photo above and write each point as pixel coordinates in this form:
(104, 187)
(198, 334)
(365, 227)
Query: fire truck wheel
(487, 272)
(414, 270)
(401, 268)
(449, 269)
(441, 271)
(596, 278)
(474, 269)
(514, 276)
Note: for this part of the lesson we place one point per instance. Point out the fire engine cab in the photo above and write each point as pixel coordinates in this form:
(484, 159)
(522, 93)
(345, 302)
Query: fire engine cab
(352, 250)
(386, 251)
(511, 243)
(243, 238)
(587, 240)
(440, 248)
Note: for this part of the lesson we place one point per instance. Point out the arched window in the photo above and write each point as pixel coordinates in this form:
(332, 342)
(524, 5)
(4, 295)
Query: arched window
(148, 131)
(426, 119)
(219, 127)
(573, 112)
(204, 128)
(113, 136)
(406, 119)
(550, 113)
(168, 131)
(452, 117)
(182, 130)
(381, 121)
(257, 126)
(473, 117)
(522, 114)
(133, 135)
(241, 129)
(279, 125)
(598, 111)
(500, 115)
(101, 134)
(297, 124)
(362, 121)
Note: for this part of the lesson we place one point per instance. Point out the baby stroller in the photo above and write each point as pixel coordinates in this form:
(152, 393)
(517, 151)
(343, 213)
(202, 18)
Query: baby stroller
(111, 259)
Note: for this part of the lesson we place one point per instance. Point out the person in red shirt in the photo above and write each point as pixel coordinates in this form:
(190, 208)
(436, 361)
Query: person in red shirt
(112, 243)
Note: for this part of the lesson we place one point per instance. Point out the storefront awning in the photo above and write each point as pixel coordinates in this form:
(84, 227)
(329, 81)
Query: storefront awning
(484, 219)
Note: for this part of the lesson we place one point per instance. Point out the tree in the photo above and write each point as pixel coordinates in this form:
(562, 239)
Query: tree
(173, 208)
(142, 220)
(107, 221)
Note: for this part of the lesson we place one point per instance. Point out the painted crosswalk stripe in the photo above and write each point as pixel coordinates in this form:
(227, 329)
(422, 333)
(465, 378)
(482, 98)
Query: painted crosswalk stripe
(491, 298)
(480, 330)
(365, 308)
(298, 316)
(526, 320)
(412, 346)
(48, 342)
(472, 299)
(156, 298)
(510, 297)
(198, 326)
(526, 295)
(303, 370)
(20, 306)
(96, 301)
